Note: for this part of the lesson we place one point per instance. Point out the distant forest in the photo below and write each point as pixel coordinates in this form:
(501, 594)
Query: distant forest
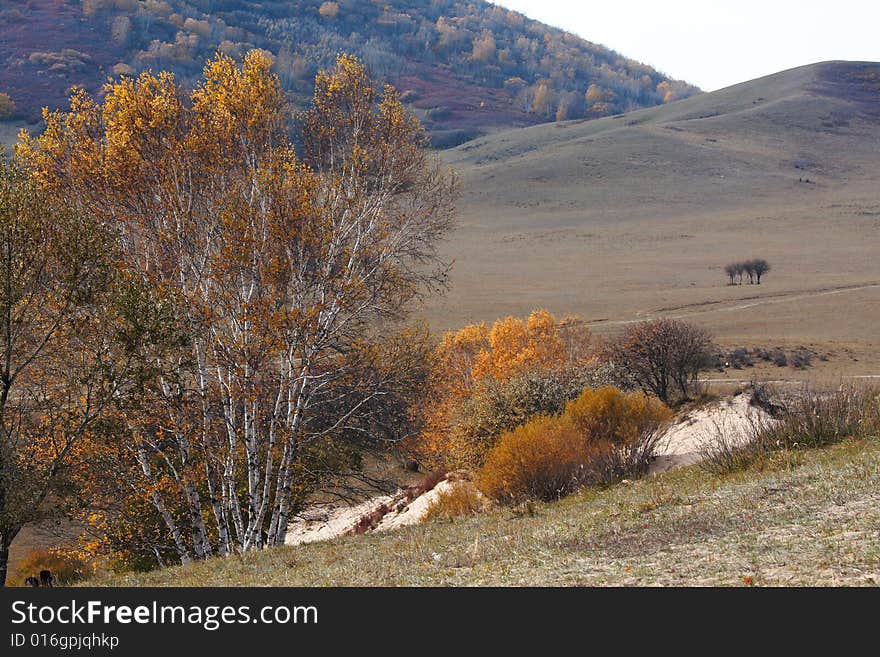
(522, 66)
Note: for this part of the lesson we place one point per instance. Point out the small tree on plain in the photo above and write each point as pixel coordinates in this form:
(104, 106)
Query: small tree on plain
(749, 268)
(759, 267)
(731, 270)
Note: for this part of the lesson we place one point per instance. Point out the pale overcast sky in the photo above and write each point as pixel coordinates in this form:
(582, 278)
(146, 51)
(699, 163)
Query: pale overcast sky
(715, 44)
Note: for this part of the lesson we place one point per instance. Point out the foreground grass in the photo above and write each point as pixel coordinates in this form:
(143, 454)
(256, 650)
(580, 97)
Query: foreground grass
(804, 518)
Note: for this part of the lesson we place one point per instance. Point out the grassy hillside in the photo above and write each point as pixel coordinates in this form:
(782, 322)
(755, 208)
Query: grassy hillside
(806, 518)
(635, 216)
(466, 66)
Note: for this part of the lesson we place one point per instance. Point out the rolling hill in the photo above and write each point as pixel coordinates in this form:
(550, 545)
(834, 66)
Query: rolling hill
(467, 67)
(636, 215)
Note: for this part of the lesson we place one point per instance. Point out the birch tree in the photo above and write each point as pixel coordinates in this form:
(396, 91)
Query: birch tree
(278, 266)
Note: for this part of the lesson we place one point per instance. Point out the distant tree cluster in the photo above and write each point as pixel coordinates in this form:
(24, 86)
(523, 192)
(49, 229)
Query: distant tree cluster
(752, 269)
(545, 71)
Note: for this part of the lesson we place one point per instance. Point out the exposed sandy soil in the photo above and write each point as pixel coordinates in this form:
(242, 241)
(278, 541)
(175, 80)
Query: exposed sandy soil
(324, 523)
(732, 418)
(679, 446)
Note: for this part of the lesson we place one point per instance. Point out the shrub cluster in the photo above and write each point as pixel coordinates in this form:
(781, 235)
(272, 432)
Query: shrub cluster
(742, 357)
(496, 407)
(603, 435)
(485, 381)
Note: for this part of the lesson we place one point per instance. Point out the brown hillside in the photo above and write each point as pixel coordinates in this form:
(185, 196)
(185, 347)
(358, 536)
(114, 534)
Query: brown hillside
(635, 216)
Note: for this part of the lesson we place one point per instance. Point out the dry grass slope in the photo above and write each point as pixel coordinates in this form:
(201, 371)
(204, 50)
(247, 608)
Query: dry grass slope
(806, 518)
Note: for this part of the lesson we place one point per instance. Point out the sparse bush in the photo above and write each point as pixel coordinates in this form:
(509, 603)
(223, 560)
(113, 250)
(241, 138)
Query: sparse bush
(739, 358)
(66, 567)
(801, 359)
(761, 398)
(462, 499)
(778, 357)
(808, 420)
(602, 436)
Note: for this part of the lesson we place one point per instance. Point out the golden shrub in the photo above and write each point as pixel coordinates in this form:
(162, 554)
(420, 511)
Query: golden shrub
(66, 567)
(543, 459)
(603, 435)
(607, 414)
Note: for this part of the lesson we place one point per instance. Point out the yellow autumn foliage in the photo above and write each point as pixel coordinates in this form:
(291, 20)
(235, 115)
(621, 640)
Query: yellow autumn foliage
(603, 435)
(476, 355)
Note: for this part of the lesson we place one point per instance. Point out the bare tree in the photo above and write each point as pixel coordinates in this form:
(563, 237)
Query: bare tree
(663, 356)
(731, 271)
(759, 267)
